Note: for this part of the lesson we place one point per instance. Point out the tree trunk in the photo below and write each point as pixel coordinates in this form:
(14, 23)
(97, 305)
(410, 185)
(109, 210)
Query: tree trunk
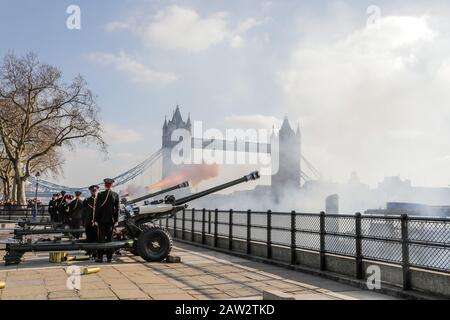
(19, 182)
(20, 191)
(13, 195)
(6, 189)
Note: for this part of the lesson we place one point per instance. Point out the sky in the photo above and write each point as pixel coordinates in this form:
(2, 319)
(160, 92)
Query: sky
(368, 81)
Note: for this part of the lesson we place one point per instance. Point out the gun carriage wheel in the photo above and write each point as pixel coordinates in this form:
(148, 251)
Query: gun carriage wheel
(154, 243)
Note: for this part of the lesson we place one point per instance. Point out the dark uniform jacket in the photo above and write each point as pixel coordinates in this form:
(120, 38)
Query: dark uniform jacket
(88, 210)
(52, 206)
(107, 207)
(61, 206)
(76, 209)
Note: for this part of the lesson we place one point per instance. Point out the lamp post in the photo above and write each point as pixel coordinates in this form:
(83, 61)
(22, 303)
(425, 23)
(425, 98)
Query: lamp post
(35, 195)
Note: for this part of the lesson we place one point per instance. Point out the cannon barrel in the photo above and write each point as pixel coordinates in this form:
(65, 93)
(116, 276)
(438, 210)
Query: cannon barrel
(251, 176)
(154, 194)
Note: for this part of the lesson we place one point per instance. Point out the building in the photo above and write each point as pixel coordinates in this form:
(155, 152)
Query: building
(412, 209)
(287, 175)
(169, 127)
(287, 178)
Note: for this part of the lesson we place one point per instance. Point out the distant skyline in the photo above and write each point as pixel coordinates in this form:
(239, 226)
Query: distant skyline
(370, 91)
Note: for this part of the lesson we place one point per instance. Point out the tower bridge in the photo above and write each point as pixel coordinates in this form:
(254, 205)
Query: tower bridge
(290, 172)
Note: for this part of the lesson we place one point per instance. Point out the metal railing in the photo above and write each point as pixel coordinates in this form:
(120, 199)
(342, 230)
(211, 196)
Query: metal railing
(419, 242)
(14, 213)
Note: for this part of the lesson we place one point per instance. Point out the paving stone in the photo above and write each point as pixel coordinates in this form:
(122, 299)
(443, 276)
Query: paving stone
(277, 295)
(156, 285)
(296, 290)
(219, 296)
(93, 285)
(129, 294)
(303, 285)
(181, 296)
(96, 293)
(110, 275)
(148, 280)
(59, 282)
(213, 280)
(205, 291)
(337, 295)
(25, 276)
(201, 297)
(25, 283)
(178, 283)
(56, 288)
(236, 294)
(255, 276)
(245, 292)
(151, 291)
(23, 291)
(202, 274)
(237, 278)
(280, 284)
(63, 294)
(24, 297)
(312, 296)
(123, 285)
(91, 278)
(117, 281)
(131, 268)
(230, 286)
(366, 295)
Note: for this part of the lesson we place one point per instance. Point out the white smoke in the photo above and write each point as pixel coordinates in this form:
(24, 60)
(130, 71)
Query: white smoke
(375, 101)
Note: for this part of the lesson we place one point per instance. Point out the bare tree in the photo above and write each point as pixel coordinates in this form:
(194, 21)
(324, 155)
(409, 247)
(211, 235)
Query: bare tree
(6, 174)
(39, 114)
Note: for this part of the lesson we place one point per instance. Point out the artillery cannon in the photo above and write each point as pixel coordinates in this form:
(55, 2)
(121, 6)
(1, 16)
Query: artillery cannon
(137, 231)
(27, 227)
(154, 194)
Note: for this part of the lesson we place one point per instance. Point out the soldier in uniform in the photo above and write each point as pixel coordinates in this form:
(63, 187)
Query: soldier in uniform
(106, 217)
(65, 209)
(61, 206)
(89, 205)
(75, 210)
(52, 208)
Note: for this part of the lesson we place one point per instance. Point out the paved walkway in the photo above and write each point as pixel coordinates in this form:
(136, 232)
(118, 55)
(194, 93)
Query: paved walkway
(202, 274)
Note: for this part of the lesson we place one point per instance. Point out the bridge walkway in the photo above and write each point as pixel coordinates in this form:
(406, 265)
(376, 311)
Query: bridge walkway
(202, 274)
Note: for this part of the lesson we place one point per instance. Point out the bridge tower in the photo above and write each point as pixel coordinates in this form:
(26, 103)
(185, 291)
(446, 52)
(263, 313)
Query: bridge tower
(288, 176)
(177, 122)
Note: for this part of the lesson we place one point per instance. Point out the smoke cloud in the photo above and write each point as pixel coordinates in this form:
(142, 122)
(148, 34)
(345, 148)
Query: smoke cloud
(194, 173)
(374, 100)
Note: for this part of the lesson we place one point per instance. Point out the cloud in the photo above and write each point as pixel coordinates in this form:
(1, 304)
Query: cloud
(183, 28)
(117, 134)
(137, 70)
(117, 26)
(249, 24)
(236, 42)
(374, 100)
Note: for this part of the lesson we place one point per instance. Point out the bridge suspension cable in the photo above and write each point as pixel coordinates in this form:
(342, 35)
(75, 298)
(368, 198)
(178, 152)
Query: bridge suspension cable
(119, 180)
(49, 187)
(314, 171)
